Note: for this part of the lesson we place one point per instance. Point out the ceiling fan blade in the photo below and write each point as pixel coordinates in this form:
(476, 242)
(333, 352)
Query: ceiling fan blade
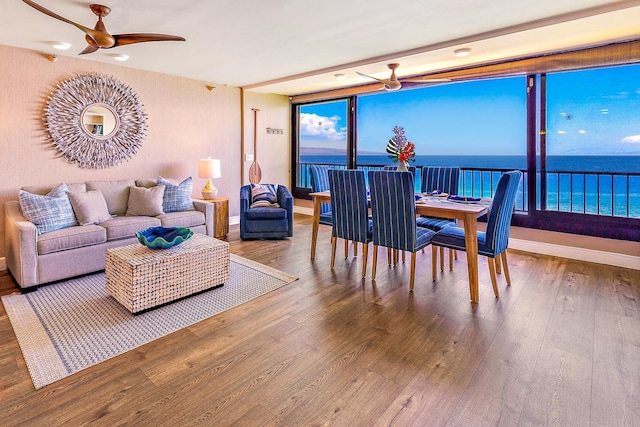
(91, 46)
(100, 37)
(383, 81)
(125, 39)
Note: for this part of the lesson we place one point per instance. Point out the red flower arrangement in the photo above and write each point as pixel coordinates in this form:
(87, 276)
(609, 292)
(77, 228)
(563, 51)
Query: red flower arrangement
(399, 149)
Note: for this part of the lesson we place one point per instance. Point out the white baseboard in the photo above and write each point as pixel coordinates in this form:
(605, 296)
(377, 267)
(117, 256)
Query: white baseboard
(570, 252)
(235, 220)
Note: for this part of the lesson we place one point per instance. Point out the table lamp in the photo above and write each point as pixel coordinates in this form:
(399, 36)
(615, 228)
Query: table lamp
(209, 168)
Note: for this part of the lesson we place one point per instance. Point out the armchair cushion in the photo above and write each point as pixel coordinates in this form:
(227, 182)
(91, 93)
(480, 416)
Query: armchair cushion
(266, 213)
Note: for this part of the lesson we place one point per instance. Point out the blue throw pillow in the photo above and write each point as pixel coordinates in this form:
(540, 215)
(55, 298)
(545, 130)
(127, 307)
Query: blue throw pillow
(263, 195)
(50, 212)
(177, 198)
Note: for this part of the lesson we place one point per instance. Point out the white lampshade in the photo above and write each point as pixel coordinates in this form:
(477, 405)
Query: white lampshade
(209, 168)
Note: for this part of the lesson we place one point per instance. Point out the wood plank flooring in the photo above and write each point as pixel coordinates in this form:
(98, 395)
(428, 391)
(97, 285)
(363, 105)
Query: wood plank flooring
(561, 346)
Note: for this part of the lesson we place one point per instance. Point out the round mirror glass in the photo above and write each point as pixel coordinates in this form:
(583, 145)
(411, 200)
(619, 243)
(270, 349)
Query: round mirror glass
(99, 120)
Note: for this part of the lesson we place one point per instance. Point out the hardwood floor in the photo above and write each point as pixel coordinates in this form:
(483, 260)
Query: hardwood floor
(561, 346)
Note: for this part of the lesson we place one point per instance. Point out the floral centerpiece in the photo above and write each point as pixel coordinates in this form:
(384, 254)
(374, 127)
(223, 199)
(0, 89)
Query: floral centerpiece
(399, 149)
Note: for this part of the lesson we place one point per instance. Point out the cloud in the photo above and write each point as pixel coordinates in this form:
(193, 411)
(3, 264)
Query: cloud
(321, 127)
(633, 139)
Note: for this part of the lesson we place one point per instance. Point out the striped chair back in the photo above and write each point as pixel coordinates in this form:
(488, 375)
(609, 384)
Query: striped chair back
(444, 179)
(349, 205)
(499, 220)
(320, 182)
(393, 209)
(411, 169)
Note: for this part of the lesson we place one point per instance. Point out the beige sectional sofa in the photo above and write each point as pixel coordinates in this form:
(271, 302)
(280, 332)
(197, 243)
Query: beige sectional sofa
(36, 258)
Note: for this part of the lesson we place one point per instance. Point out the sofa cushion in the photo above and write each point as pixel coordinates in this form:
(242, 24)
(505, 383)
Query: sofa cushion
(44, 189)
(147, 182)
(263, 195)
(182, 219)
(266, 213)
(71, 238)
(122, 227)
(145, 201)
(177, 198)
(116, 194)
(50, 212)
(89, 207)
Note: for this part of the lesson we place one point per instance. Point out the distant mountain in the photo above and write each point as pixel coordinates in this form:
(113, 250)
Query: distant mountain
(322, 151)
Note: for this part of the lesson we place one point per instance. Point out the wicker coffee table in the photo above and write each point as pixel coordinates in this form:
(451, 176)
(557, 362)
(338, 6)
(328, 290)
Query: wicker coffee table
(140, 278)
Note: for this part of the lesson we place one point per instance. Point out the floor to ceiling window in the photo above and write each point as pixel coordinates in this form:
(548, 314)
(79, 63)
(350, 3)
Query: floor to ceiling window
(323, 137)
(575, 132)
(592, 142)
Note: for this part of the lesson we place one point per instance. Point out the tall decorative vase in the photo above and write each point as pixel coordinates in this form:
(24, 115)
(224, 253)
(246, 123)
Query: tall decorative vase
(402, 167)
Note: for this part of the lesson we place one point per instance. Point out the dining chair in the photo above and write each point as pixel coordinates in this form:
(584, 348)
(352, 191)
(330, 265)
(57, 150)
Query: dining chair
(494, 241)
(445, 180)
(411, 169)
(320, 182)
(350, 211)
(393, 212)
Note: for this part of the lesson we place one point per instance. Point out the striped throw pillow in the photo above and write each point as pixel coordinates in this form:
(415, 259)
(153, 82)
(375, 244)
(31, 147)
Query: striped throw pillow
(177, 198)
(264, 195)
(50, 212)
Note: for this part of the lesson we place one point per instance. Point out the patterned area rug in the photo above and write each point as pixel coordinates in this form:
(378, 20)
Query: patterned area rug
(69, 326)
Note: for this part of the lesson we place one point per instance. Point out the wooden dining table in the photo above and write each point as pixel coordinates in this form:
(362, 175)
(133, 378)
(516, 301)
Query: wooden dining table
(431, 206)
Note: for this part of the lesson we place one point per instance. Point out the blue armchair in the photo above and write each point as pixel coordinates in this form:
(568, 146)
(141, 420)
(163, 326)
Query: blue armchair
(266, 222)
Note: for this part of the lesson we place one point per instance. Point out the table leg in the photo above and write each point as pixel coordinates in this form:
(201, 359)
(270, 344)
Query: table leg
(316, 225)
(471, 245)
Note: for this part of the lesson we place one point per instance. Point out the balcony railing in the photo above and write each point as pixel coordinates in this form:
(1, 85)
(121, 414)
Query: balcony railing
(597, 193)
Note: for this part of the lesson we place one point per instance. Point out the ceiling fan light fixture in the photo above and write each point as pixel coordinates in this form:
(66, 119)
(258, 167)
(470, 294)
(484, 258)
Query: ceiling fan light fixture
(61, 45)
(465, 51)
(121, 57)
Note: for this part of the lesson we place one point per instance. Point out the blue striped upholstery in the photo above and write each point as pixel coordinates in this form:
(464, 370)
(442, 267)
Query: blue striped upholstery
(411, 169)
(495, 240)
(349, 209)
(320, 182)
(393, 211)
(350, 212)
(444, 179)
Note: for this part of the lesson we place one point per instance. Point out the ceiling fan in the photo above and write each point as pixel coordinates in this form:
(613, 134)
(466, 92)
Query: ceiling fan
(392, 83)
(98, 37)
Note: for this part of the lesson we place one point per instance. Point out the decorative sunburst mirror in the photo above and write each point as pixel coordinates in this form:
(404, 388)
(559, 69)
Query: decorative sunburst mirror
(95, 121)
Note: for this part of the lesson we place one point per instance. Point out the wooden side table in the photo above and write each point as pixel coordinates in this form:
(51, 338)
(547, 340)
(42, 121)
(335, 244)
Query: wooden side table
(220, 216)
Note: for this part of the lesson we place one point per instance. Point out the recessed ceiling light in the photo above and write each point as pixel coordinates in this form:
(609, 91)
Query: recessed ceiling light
(121, 57)
(340, 76)
(61, 45)
(465, 51)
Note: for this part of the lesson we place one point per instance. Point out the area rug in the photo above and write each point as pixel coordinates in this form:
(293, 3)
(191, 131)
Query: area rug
(68, 326)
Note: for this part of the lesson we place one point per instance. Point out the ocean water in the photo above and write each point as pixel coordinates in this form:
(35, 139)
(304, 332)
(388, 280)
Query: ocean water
(601, 185)
(554, 163)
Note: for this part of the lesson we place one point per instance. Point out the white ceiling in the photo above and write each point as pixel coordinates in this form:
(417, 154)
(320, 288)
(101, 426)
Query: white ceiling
(292, 47)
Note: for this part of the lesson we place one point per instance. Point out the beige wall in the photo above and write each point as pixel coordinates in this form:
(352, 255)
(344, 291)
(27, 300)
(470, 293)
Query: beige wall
(186, 122)
(274, 150)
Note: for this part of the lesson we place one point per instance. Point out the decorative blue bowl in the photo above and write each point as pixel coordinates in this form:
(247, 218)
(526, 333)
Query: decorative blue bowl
(163, 237)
